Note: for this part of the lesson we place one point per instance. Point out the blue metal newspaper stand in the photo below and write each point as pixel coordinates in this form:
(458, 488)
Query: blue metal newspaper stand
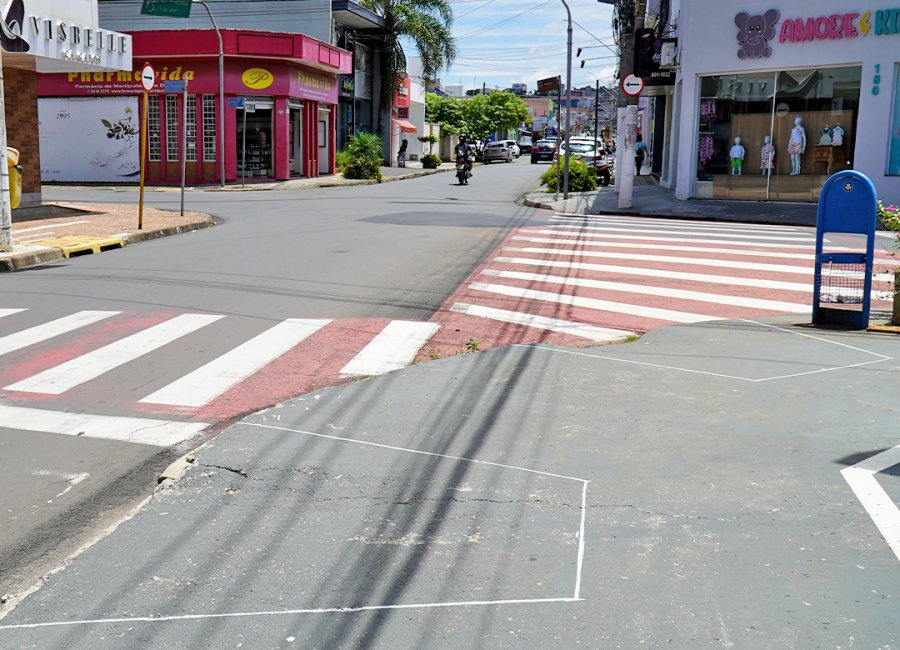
(842, 286)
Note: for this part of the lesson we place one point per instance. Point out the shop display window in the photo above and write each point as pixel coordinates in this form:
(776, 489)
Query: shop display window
(893, 167)
(769, 125)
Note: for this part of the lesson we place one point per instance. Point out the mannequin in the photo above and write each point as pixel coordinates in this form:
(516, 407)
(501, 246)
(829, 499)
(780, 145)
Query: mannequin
(837, 136)
(797, 144)
(737, 157)
(825, 136)
(767, 157)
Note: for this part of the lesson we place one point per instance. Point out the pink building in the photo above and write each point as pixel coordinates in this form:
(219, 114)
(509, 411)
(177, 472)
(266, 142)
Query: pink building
(286, 83)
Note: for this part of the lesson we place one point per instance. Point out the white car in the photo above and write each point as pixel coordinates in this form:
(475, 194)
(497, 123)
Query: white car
(513, 146)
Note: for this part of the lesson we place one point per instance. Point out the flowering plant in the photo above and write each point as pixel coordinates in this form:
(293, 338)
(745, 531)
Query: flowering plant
(890, 216)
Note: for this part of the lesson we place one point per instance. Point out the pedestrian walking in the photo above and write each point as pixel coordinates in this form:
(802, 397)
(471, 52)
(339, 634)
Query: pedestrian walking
(401, 154)
(639, 148)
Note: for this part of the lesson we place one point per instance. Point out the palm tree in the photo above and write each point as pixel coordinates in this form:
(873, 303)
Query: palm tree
(427, 24)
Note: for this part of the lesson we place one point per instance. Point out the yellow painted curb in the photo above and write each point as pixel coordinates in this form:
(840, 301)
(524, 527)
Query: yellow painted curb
(81, 244)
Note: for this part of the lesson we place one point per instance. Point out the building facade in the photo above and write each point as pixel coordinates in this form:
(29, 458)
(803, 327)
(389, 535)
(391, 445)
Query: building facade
(808, 89)
(281, 95)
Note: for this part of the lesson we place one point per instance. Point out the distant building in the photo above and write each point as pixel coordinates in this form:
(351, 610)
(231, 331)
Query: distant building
(520, 89)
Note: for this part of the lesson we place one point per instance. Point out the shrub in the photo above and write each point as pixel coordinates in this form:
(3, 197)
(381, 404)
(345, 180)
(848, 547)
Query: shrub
(430, 161)
(581, 177)
(341, 160)
(365, 155)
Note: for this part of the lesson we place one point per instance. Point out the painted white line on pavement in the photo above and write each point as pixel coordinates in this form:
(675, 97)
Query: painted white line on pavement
(580, 562)
(393, 348)
(665, 292)
(9, 312)
(688, 223)
(726, 234)
(586, 232)
(594, 303)
(661, 247)
(59, 379)
(671, 259)
(71, 479)
(40, 333)
(590, 332)
(658, 273)
(145, 431)
(62, 224)
(288, 612)
(679, 226)
(211, 380)
(881, 508)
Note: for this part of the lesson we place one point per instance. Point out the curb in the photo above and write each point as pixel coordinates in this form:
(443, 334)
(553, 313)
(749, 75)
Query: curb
(355, 182)
(17, 262)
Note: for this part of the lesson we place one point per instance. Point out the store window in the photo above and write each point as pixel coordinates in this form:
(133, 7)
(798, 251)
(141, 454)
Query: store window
(153, 140)
(191, 128)
(172, 136)
(209, 128)
(794, 123)
(894, 153)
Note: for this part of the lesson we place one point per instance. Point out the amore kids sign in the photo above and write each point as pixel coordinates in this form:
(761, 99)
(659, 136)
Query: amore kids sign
(757, 32)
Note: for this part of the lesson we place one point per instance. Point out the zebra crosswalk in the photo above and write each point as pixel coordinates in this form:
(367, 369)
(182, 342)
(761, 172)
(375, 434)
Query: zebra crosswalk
(604, 278)
(122, 366)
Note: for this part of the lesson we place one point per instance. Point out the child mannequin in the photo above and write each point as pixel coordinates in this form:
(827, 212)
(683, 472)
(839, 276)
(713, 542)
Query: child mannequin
(767, 157)
(797, 144)
(837, 136)
(737, 157)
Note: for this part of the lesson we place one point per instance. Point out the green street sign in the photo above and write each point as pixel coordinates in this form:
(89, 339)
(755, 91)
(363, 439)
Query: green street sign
(170, 8)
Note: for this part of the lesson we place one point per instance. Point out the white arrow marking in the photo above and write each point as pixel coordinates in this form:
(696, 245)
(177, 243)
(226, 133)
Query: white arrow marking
(875, 500)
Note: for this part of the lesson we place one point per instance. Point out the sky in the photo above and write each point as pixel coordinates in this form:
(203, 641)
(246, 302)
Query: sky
(501, 42)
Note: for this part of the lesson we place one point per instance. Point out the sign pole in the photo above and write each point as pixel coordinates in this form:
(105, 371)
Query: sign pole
(244, 146)
(184, 108)
(143, 158)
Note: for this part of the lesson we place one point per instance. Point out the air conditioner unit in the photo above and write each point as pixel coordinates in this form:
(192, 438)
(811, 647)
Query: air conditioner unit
(667, 55)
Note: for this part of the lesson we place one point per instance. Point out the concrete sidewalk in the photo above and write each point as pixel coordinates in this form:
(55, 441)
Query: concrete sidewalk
(652, 200)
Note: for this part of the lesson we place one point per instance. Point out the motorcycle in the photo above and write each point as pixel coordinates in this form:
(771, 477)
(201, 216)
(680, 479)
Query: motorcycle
(604, 173)
(463, 169)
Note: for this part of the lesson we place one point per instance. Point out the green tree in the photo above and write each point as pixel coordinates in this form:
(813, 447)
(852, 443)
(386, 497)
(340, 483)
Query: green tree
(495, 111)
(446, 111)
(427, 24)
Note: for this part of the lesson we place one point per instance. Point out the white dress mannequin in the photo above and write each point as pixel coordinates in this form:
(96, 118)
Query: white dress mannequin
(797, 144)
(737, 154)
(837, 136)
(767, 157)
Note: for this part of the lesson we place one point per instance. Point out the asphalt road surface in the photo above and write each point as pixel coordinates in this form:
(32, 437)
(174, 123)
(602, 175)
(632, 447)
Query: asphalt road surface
(358, 258)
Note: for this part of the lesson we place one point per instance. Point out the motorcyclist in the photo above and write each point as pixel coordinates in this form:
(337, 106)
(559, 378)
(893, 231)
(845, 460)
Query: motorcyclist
(462, 149)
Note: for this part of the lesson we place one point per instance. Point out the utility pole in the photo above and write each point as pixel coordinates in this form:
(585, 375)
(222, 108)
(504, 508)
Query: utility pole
(5, 205)
(631, 18)
(597, 110)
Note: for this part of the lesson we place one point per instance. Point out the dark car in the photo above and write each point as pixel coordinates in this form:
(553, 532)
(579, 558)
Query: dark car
(543, 150)
(525, 146)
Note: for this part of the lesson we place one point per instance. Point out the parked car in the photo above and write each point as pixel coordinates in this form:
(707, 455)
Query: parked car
(517, 151)
(593, 154)
(543, 150)
(497, 151)
(525, 146)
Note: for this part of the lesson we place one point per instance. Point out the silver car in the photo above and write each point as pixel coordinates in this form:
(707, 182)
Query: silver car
(497, 151)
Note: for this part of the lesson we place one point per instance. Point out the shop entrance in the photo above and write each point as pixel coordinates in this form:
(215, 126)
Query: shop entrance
(255, 158)
(295, 128)
(324, 132)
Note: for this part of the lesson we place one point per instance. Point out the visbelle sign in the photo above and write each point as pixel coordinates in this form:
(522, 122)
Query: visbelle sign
(52, 38)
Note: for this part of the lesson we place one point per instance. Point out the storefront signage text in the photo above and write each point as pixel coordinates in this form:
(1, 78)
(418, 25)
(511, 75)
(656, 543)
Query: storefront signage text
(126, 76)
(53, 38)
(311, 80)
(840, 26)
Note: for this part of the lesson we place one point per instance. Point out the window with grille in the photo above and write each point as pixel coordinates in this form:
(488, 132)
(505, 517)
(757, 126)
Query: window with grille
(209, 128)
(192, 128)
(172, 128)
(153, 140)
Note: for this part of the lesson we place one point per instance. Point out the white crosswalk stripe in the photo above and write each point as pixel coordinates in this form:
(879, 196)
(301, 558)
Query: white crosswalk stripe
(9, 312)
(718, 232)
(217, 376)
(46, 331)
(666, 292)
(686, 238)
(596, 334)
(392, 348)
(61, 378)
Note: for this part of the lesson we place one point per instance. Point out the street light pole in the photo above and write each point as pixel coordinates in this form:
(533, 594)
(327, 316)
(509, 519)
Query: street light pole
(568, 100)
(628, 105)
(5, 205)
(221, 121)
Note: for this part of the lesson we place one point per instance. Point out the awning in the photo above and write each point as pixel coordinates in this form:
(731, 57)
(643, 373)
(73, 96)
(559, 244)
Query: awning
(405, 126)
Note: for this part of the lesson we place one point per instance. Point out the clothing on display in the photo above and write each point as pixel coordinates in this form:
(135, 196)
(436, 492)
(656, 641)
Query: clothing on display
(767, 156)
